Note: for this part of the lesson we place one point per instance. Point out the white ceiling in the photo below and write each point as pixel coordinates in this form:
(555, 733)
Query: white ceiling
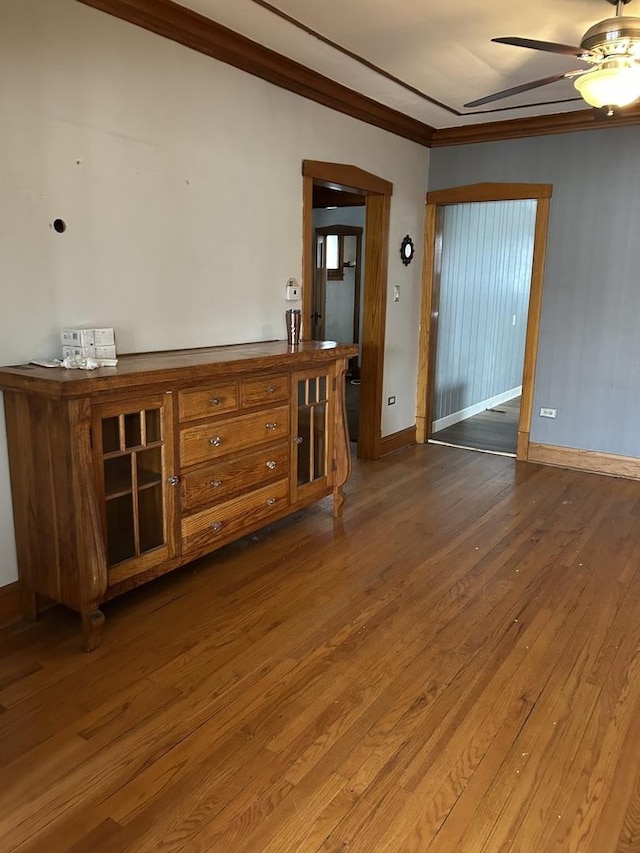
(441, 49)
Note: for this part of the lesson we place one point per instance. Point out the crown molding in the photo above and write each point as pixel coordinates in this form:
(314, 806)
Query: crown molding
(175, 22)
(534, 126)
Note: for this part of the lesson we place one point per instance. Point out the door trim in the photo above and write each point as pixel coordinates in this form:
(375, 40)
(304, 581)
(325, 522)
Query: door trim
(428, 312)
(377, 192)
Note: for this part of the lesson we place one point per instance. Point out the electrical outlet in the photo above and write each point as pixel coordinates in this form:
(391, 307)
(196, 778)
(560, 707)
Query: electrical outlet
(396, 293)
(548, 413)
(292, 291)
(391, 401)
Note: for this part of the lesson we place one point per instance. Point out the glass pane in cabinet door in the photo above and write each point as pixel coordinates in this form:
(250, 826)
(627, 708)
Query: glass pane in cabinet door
(304, 445)
(117, 475)
(132, 432)
(149, 466)
(150, 514)
(110, 435)
(319, 440)
(152, 424)
(121, 544)
(312, 429)
(322, 388)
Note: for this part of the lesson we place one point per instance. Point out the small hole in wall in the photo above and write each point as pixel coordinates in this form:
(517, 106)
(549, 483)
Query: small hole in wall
(59, 225)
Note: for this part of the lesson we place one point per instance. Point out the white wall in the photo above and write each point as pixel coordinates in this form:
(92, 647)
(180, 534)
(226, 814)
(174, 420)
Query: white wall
(180, 180)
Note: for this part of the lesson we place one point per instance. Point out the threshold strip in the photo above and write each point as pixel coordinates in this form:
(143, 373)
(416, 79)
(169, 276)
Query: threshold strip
(475, 449)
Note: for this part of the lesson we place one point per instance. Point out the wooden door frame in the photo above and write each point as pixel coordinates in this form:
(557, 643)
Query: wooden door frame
(377, 193)
(428, 314)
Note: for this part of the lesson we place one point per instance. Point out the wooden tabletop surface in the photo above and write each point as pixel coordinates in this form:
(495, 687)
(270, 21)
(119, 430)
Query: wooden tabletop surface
(182, 364)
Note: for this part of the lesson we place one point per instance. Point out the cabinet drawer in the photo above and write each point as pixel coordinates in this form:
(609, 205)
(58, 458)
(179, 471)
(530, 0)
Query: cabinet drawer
(264, 390)
(229, 477)
(213, 439)
(211, 400)
(233, 518)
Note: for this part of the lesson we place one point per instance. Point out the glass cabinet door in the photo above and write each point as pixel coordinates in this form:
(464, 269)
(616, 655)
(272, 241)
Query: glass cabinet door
(313, 448)
(134, 466)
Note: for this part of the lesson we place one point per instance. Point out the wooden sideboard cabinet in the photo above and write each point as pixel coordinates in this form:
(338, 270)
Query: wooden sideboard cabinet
(121, 474)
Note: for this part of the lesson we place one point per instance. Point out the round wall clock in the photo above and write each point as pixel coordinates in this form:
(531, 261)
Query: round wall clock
(407, 250)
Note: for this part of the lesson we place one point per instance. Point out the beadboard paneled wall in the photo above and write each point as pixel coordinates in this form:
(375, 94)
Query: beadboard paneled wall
(487, 249)
(589, 356)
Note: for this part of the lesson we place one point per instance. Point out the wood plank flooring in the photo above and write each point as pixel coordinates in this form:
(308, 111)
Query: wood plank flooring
(495, 429)
(453, 666)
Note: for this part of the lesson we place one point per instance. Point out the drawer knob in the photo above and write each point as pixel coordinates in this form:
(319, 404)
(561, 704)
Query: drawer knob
(271, 464)
(271, 501)
(298, 439)
(216, 526)
(271, 389)
(215, 484)
(271, 425)
(215, 401)
(173, 481)
(216, 441)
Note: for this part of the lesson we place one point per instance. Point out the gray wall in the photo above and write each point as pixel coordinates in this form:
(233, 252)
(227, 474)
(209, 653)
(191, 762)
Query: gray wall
(589, 356)
(487, 249)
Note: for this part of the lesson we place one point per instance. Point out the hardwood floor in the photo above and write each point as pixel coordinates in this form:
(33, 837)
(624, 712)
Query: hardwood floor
(453, 666)
(495, 429)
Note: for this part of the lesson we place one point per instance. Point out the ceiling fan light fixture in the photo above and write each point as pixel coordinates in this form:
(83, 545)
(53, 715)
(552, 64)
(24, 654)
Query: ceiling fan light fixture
(613, 85)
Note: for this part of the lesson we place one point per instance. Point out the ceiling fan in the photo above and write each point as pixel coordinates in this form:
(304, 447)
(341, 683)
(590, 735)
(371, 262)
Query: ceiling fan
(611, 45)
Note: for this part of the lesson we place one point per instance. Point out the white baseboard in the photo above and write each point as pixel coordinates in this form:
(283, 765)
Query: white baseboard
(470, 411)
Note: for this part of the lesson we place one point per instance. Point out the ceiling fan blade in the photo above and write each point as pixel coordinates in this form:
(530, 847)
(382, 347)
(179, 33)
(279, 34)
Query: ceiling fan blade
(549, 46)
(524, 87)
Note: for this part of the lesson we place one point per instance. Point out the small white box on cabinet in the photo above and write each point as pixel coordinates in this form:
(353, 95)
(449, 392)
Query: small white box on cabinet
(89, 352)
(87, 337)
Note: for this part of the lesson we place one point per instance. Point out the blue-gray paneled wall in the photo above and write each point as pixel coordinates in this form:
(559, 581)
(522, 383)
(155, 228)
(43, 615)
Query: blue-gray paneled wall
(589, 355)
(487, 249)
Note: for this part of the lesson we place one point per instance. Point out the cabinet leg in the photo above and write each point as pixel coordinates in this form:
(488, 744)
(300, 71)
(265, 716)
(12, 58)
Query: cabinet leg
(92, 625)
(339, 499)
(29, 601)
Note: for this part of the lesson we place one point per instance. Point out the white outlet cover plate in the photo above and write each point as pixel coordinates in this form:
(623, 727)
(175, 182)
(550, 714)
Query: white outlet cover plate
(293, 292)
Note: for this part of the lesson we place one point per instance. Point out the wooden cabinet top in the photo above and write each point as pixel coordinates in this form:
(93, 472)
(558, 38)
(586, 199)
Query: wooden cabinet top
(176, 367)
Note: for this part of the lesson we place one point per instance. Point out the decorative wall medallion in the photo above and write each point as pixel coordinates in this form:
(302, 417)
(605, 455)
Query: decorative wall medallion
(407, 250)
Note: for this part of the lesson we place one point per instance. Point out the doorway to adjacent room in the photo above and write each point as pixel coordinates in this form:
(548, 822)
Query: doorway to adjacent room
(482, 294)
(335, 178)
(337, 287)
(481, 298)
